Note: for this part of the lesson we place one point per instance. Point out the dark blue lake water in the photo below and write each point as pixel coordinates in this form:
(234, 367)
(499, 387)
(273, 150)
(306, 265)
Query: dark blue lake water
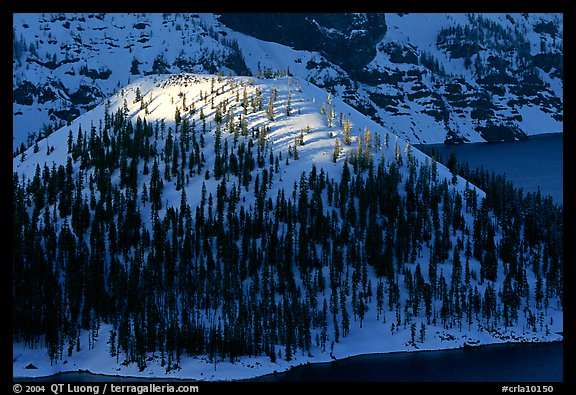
(529, 164)
(535, 362)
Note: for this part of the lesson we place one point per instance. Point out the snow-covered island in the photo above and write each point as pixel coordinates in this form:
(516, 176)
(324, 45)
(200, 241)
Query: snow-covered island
(380, 309)
(190, 201)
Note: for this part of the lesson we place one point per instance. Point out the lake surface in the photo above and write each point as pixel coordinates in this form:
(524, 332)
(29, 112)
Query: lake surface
(529, 164)
(525, 362)
(530, 362)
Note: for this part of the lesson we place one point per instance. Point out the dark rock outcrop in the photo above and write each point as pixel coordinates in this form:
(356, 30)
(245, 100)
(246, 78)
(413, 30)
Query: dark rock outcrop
(346, 39)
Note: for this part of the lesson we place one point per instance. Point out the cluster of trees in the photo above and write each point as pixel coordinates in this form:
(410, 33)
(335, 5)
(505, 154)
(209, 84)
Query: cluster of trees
(241, 271)
(509, 45)
(429, 61)
(481, 32)
(531, 224)
(19, 47)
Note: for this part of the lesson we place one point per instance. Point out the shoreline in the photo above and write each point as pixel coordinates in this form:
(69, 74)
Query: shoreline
(111, 377)
(409, 351)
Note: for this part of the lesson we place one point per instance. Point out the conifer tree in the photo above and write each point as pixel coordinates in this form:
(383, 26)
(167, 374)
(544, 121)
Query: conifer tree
(270, 109)
(289, 104)
(336, 152)
(347, 132)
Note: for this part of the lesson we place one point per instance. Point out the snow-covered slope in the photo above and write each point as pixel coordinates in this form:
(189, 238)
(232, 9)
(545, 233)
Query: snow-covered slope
(163, 95)
(427, 81)
(496, 68)
(301, 131)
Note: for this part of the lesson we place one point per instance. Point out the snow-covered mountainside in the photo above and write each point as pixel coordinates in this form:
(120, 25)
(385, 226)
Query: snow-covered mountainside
(432, 77)
(219, 227)
(427, 77)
